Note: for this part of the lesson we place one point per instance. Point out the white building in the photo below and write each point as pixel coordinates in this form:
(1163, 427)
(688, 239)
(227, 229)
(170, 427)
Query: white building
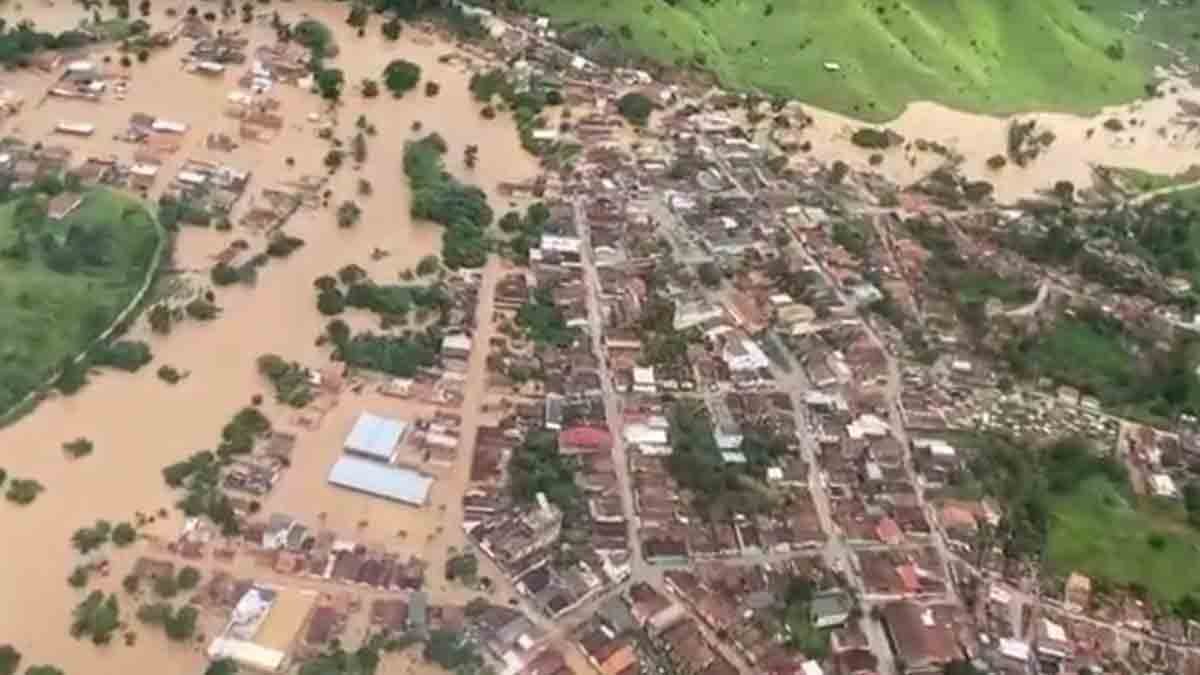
(744, 355)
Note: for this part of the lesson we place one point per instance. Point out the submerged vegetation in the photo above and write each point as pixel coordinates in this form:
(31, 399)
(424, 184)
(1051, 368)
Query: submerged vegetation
(437, 196)
(66, 281)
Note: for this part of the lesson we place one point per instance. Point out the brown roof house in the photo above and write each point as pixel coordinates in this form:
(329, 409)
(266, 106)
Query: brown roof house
(923, 636)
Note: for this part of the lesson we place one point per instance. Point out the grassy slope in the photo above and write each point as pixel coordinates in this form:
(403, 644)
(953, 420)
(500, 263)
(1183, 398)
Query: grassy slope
(985, 56)
(44, 315)
(1098, 531)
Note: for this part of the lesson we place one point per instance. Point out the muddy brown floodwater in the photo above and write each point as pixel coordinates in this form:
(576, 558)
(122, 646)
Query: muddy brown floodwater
(138, 423)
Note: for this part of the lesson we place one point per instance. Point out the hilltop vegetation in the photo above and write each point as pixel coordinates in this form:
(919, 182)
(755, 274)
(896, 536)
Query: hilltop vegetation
(991, 57)
(65, 281)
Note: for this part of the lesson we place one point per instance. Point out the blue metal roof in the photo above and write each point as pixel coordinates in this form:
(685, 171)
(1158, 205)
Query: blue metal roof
(381, 480)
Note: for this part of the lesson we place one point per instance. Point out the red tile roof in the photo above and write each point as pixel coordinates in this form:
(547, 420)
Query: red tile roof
(589, 438)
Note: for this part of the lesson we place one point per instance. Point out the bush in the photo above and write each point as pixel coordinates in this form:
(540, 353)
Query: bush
(80, 447)
(432, 88)
(224, 274)
(636, 108)
(874, 139)
(23, 491)
(401, 76)
(165, 586)
(202, 310)
(370, 88)
(127, 355)
(282, 245)
(997, 162)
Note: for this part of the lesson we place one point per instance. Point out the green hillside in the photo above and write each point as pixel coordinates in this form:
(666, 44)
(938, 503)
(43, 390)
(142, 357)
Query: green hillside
(991, 56)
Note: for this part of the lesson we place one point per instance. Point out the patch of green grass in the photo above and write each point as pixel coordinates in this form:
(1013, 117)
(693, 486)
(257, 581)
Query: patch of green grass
(991, 57)
(983, 285)
(1099, 531)
(1087, 357)
(47, 315)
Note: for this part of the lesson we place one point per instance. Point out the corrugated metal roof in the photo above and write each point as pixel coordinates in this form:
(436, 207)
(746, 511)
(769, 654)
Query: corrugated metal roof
(381, 480)
(376, 436)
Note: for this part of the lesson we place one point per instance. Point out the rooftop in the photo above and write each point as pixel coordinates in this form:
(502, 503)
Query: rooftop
(381, 480)
(375, 437)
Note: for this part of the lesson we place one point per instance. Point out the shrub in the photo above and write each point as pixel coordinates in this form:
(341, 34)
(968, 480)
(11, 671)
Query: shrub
(370, 88)
(432, 88)
(874, 139)
(80, 447)
(128, 355)
(997, 162)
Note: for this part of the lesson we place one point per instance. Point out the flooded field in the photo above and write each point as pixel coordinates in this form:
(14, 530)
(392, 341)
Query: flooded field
(138, 423)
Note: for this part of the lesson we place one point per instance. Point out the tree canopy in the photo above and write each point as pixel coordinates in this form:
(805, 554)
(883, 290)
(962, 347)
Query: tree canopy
(401, 76)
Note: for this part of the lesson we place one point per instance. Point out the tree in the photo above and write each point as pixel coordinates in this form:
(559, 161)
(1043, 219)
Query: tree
(10, 658)
(123, 534)
(636, 108)
(358, 148)
(23, 491)
(358, 16)
(330, 82)
(452, 651)
(97, 617)
(348, 214)
(189, 577)
(401, 76)
(331, 302)
(160, 318)
(43, 670)
(87, 539)
(710, 274)
(428, 265)
(166, 586)
(351, 274)
(182, 625)
(391, 28)
(222, 667)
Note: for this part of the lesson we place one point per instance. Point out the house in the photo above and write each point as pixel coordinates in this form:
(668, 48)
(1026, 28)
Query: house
(584, 441)
(830, 609)
(742, 355)
(922, 636)
(63, 205)
(1078, 592)
(375, 437)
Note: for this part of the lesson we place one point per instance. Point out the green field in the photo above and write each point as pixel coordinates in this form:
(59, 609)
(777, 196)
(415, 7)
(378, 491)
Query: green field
(67, 283)
(982, 55)
(1095, 529)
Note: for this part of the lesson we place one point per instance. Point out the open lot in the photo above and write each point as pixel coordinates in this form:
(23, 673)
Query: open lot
(980, 56)
(1097, 530)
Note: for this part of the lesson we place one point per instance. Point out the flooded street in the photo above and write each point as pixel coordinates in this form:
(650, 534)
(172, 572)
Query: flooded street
(140, 424)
